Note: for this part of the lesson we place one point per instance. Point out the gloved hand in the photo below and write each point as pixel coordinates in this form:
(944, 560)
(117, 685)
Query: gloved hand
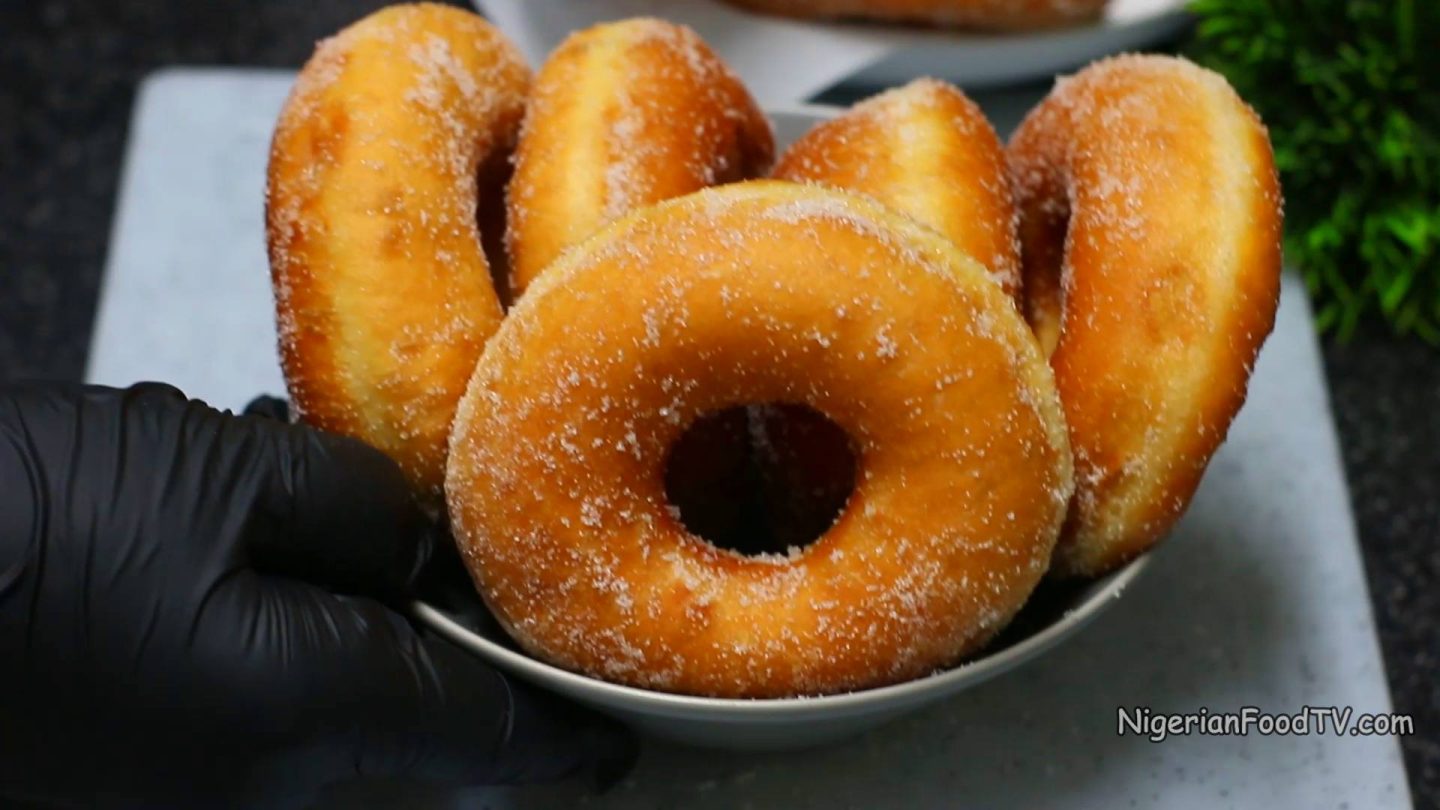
(172, 629)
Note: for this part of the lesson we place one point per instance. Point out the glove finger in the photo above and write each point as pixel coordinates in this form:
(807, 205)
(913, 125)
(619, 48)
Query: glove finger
(444, 579)
(599, 747)
(367, 695)
(341, 513)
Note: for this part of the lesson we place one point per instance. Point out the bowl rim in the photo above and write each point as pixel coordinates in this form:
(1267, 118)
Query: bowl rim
(1109, 587)
(970, 672)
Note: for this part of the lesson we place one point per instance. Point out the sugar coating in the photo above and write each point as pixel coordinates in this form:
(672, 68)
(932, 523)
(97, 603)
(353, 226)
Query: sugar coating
(1151, 224)
(382, 290)
(769, 292)
(928, 151)
(624, 115)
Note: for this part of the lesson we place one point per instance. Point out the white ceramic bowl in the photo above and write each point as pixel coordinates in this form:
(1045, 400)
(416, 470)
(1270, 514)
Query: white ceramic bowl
(1055, 612)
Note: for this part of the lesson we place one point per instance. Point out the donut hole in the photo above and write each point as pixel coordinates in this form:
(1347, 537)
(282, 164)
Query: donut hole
(761, 479)
(1044, 237)
(492, 176)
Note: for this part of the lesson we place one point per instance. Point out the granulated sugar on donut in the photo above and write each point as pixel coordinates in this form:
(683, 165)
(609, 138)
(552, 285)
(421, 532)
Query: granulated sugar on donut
(926, 150)
(772, 292)
(382, 289)
(623, 115)
(1150, 224)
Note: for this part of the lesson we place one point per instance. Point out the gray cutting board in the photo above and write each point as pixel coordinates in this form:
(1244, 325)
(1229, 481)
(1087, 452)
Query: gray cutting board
(1259, 598)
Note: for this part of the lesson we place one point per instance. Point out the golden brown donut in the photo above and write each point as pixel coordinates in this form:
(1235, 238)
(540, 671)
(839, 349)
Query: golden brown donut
(383, 296)
(1150, 228)
(754, 293)
(979, 14)
(927, 151)
(623, 115)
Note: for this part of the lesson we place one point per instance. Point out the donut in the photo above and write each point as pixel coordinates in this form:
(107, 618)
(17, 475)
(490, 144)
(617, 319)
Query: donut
(623, 115)
(927, 151)
(383, 295)
(998, 15)
(1150, 232)
(770, 292)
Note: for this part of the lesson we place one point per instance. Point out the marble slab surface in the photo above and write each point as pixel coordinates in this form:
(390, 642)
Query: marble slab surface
(1258, 599)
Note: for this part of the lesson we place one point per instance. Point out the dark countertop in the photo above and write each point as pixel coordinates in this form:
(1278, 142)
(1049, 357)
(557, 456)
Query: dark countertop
(71, 69)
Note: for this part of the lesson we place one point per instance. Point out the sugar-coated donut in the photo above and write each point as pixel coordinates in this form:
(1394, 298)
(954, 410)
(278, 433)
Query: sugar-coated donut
(383, 294)
(1150, 230)
(623, 115)
(770, 292)
(926, 150)
(978, 14)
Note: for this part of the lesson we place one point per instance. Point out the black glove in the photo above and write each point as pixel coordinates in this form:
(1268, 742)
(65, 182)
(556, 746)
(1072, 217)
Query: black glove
(171, 633)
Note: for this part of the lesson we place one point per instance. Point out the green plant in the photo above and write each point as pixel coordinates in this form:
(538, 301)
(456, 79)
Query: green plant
(1350, 90)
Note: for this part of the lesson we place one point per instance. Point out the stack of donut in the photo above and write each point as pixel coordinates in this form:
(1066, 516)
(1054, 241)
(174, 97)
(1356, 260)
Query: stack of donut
(1032, 350)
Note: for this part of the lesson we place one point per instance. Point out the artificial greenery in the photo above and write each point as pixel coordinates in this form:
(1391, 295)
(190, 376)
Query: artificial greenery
(1350, 90)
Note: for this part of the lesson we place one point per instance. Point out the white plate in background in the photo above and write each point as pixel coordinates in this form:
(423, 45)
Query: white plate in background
(786, 60)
